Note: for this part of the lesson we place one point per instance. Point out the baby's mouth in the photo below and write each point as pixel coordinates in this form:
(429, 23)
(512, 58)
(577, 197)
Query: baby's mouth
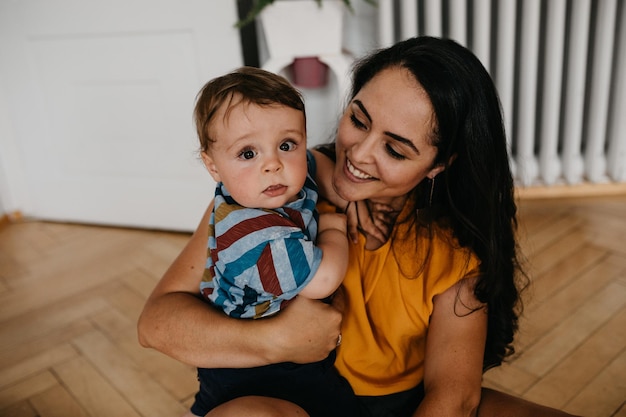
(275, 190)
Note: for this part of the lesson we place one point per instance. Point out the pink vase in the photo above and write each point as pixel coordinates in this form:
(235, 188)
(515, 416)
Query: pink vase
(309, 72)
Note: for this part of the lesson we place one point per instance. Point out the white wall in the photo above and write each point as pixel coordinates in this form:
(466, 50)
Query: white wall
(67, 155)
(96, 102)
(10, 167)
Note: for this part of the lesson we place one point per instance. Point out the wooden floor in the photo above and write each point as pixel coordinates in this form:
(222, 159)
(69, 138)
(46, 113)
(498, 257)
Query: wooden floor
(70, 296)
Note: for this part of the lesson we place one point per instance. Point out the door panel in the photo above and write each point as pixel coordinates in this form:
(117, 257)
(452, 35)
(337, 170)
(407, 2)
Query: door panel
(101, 94)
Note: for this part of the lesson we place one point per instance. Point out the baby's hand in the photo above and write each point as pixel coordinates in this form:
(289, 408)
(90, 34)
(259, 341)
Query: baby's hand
(333, 221)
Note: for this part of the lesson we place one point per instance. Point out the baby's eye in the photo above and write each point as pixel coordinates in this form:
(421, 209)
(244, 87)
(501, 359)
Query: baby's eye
(247, 154)
(287, 146)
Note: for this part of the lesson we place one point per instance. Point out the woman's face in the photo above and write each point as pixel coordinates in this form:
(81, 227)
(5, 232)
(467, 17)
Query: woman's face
(384, 140)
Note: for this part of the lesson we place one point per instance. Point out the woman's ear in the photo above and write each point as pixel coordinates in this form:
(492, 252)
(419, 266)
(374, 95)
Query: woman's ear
(436, 170)
(440, 167)
(210, 166)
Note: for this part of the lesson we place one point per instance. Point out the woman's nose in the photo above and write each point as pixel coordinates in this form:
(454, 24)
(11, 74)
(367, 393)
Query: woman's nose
(363, 150)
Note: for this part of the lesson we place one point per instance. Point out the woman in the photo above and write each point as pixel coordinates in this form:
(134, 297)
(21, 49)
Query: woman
(431, 296)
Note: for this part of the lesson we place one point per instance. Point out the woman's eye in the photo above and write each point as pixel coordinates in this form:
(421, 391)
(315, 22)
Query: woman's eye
(247, 154)
(356, 122)
(287, 146)
(392, 152)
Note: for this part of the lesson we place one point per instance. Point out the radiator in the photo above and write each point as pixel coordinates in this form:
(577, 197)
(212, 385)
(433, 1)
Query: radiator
(560, 69)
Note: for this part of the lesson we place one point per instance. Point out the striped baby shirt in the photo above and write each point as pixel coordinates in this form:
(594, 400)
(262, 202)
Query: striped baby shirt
(258, 259)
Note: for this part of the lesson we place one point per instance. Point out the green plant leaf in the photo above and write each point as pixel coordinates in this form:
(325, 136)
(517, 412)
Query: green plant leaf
(259, 5)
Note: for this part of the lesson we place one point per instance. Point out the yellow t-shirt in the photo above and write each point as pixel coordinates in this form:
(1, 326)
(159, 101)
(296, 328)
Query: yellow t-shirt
(389, 300)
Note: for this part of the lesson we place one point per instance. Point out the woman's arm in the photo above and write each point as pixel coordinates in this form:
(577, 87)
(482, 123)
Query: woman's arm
(454, 354)
(176, 322)
(453, 366)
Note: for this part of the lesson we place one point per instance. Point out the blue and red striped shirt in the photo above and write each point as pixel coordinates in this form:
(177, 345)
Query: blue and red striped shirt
(258, 258)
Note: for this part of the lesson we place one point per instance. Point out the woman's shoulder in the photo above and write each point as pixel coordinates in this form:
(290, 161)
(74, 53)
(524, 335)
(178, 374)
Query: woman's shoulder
(444, 239)
(448, 251)
(435, 249)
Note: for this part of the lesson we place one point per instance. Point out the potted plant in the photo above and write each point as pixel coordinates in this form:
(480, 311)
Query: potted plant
(299, 34)
(259, 5)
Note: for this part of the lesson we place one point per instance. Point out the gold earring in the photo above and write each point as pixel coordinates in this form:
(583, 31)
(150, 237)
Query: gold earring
(432, 190)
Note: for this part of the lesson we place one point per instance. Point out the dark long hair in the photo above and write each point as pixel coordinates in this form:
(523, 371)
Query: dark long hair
(474, 195)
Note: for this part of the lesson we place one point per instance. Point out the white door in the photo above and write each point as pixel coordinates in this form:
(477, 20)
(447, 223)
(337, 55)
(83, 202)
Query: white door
(97, 99)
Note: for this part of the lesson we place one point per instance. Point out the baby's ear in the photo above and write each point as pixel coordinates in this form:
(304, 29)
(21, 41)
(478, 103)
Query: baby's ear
(210, 166)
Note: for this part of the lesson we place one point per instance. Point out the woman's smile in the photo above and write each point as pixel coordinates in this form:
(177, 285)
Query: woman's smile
(357, 173)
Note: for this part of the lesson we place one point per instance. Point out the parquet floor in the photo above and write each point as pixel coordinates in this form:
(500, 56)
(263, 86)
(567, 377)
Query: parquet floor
(70, 296)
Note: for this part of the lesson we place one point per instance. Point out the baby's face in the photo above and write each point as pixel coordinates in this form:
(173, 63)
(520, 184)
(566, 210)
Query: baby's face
(259, 153)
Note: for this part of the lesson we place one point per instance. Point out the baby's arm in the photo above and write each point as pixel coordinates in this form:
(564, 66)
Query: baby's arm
(332, 240)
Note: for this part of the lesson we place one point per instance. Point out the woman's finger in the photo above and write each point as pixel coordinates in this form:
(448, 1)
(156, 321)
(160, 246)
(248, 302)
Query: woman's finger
(352, 222)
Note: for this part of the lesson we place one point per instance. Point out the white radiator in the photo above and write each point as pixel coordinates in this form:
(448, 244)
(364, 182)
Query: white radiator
(560, 69)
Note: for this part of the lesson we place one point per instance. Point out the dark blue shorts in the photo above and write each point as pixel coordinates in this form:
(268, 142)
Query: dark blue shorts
(316, 387)
(401, 404)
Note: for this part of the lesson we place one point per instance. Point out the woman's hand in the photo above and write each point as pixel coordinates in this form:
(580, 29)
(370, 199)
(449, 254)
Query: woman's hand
(306, 330)
(339, 300)
(375, 220)
(178, 323)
